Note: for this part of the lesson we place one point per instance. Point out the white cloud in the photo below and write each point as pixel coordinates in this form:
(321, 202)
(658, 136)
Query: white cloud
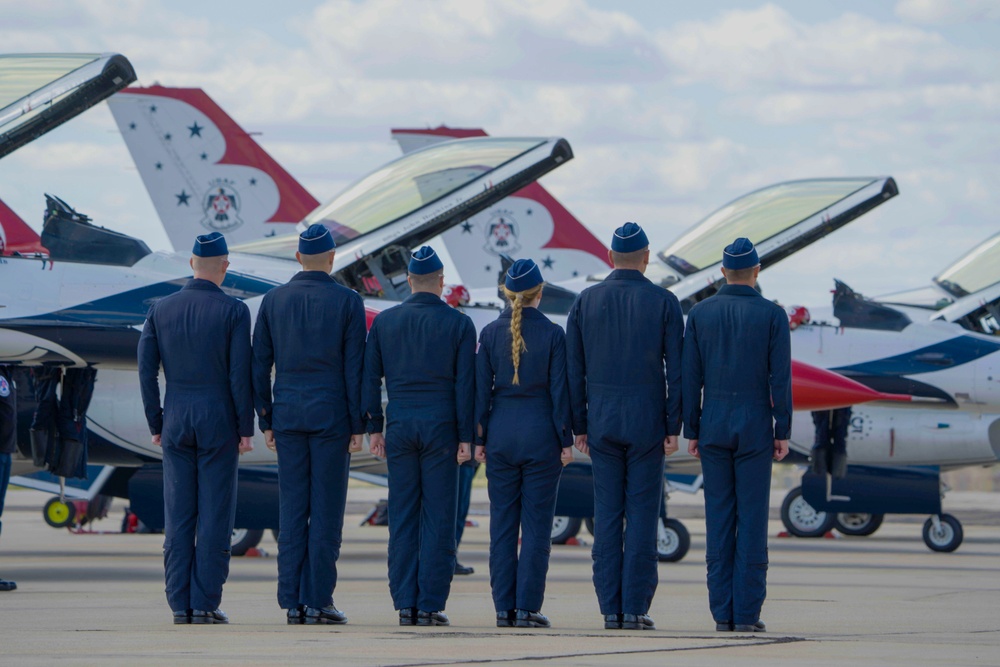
(947, 11)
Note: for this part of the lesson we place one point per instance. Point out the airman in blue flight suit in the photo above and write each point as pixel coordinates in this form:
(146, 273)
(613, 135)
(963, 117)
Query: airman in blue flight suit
(426, 352)
(523, 433)
(312, 332)
(737, 417)
(202, 337)
(623, 345)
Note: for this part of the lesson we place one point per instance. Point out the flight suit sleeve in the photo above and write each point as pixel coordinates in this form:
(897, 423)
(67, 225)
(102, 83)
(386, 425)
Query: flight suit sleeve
(673, 341)
(693, 378)
(240, 370)
(263, 363)
(780, 374)
(465, 381)
(354, 363)
(576, 370)
(562, 415)
(484, 388)
(149, 374)
(371, 391)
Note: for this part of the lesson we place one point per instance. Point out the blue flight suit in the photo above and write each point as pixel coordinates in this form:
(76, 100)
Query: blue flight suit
(312, 331)
(426, 351)
(202, 337)
(737, 402)
(524, 427)
(623, 345)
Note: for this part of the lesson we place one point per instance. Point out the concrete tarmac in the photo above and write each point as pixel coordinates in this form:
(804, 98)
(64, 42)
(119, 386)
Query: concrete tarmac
(97, 599)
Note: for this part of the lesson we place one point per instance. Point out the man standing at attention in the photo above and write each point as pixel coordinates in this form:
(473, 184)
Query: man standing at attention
(202, 338)
(312, 331)
(426, 351)
(623, 346)
(737, 417)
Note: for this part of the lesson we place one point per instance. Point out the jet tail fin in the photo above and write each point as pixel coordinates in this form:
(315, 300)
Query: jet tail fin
(16, 237)
(530, 223)
(203, 171)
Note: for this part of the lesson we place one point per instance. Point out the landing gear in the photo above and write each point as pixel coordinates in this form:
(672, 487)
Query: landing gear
(565, 527)
(244, 539)
(857, 524)
(943, 533)
(59, 513)
(801, 519)
(672, 541)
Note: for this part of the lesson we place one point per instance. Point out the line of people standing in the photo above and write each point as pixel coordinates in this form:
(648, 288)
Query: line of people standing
(613, 380)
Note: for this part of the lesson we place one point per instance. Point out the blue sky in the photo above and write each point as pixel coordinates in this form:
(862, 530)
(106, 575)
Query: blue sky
(673, 108)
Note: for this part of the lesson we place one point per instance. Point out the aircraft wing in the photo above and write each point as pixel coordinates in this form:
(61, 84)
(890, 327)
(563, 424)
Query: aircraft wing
(780, 219)
(40, 91)
(409, 201)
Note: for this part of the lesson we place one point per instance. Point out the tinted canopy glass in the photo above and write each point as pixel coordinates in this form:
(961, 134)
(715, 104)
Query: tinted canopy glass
(978, 269)
(401, 188)
(757, 216)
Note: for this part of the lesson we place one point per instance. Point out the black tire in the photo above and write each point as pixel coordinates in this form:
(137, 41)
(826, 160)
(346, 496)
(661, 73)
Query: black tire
(274, 533)
(244, 539)
(565, 527)
(672, 541)
(589, 523)
(58, 513)
(857, 523)
(948, 538)
(801, 519)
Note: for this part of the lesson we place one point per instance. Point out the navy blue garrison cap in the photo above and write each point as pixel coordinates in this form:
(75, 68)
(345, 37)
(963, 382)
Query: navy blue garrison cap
(740, 254)
(210, 245)
(315, 240)
(523, 275)
(629, 238)
(424, 261)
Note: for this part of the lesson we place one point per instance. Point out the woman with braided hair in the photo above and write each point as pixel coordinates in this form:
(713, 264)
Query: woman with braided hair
(523, 433)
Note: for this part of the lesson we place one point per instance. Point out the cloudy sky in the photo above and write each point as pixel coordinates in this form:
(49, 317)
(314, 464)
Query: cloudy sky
(672, 109)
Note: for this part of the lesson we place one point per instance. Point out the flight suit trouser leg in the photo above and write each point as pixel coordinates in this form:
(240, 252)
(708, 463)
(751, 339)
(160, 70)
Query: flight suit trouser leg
(331, 462)
(293, 515)
(609, 468)
(719, 474)
(439, 500)
(643, 499)
(466, 474)
(752, 466)
(5, 466)
(180, 511)
(504, 486)
(217, 479)
(539, 485)
(404, 515)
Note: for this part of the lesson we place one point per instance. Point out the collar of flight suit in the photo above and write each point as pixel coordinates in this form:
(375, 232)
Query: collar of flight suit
(425, 298)
(738, 290)
(321, 276)
(529, 312)
(627, 274)
(201, 283)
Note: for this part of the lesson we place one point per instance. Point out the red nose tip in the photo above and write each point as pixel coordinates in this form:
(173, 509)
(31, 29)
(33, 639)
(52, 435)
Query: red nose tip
(819, 389)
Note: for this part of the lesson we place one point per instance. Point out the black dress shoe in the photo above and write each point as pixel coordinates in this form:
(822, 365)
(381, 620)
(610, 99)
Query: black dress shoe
(182, 617)
(432, 618)
(724, 626)
(463, 569)
(325, 616)
(531, 619)
(637, 622)
(408, 616)
(217, 617)
(756, 627)
(295, 616)
(505, 619)
(612, 621)
(7, 585)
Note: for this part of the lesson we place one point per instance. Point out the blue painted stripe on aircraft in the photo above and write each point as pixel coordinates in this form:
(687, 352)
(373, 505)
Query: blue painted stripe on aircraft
(946, 354)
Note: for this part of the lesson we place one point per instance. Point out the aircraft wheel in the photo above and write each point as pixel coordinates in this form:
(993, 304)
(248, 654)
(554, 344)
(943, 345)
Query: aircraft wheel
(801, 519)
(947, 537)
(858, 524)
(672, 541)
(274, 533)
(565, 527)
(244, 539)
(59, 513)
(589, 523)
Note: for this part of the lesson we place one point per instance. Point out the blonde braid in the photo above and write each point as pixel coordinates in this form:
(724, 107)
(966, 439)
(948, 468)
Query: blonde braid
(517, 346)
